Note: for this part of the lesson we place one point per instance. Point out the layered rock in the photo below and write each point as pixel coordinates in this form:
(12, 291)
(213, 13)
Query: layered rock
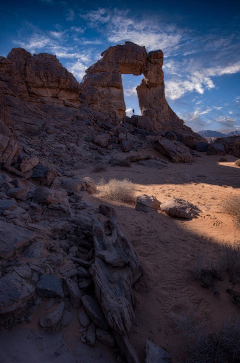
(102, 86)
(230, 144)
(36, 89)
(39, 75)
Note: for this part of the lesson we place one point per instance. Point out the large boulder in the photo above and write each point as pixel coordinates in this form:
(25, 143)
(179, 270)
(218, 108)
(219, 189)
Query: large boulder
(49, 196)
(179, 208)
(231, 145)
(12, 238)
(174, 150)
(216, 149)
(14, 293)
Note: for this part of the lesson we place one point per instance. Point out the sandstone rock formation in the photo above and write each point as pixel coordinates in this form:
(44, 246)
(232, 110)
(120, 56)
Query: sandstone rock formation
(102, 85)
(230, 144)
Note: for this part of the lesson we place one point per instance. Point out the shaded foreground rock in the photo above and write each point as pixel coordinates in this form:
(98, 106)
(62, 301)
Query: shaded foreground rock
(12, 238)
(155, 354)
(14, 293)
(91, 334)
(53, 319)
(31, 346)
(216, 149)
(231, 145)
(49, 196)
(95, 312)
(113, 285)
(49, 286)
(174, 150)
(84, 319)
(180, 208)
(74, 293)
(105, 337)
(126, 347)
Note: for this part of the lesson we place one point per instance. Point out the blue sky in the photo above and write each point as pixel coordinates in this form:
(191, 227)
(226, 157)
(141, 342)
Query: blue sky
(200, 41)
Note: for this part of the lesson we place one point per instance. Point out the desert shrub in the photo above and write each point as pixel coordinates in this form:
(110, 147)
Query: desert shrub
(99, 168)
(120, 162)
(223, 159)
(230, 261)
(237, 162)
(204, 347)
(232, 207)
(118, 190)
(206, 272)
(220, 347)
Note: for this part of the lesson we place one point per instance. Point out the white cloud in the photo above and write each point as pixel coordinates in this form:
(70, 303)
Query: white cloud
(194, 80)
(70, 15)
(57, 35)
(130, 91)
(34, 42)
(129, 112)
(197, 113)
(77, 69)
(120, 27)
(78, 29)
(226, 119)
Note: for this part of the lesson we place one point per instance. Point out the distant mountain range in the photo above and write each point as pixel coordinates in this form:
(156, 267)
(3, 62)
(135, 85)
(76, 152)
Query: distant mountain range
(210, 133)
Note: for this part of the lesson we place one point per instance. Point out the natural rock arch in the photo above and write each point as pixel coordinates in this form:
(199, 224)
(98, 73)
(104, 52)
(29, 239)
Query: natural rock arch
(102, 85)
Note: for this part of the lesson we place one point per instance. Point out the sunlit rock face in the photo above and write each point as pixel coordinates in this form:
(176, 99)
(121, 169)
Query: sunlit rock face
(39, 75)
(103, 89)
(102, 85)
(37, 88)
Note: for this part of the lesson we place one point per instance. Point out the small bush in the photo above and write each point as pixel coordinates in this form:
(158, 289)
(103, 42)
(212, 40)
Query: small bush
(99, 168)
(120, 162)
(205, 272)
(237, 162)
(220, 347)
(232, 207)
(118, 190)
(230, 261)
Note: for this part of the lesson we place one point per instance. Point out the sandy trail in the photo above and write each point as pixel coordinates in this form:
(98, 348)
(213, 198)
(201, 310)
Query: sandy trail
(168, 247)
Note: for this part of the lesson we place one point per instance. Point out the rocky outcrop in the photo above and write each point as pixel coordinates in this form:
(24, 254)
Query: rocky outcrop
(103, 90)
(36, 89)
(40, 76)
(231, 145)
(216, 149)
(102, 86)
(174, 150)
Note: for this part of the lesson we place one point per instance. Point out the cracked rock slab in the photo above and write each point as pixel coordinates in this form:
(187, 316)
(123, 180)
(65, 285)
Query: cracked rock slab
(156, 354)
(12, 238)
(49, 286)
(14, 292)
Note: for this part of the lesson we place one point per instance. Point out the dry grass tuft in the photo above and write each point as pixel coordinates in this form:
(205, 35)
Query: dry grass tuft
(237, 162)
(221, 347)
(99, 168)
(204, 347)
(232, 207)
(118, 190)
(230, 261)
(206, 273)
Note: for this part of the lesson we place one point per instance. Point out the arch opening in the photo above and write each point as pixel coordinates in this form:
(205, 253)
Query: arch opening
(130, 83)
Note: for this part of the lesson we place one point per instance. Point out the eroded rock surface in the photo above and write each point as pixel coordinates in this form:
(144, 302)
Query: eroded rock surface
(174, 150)
(12, 238)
